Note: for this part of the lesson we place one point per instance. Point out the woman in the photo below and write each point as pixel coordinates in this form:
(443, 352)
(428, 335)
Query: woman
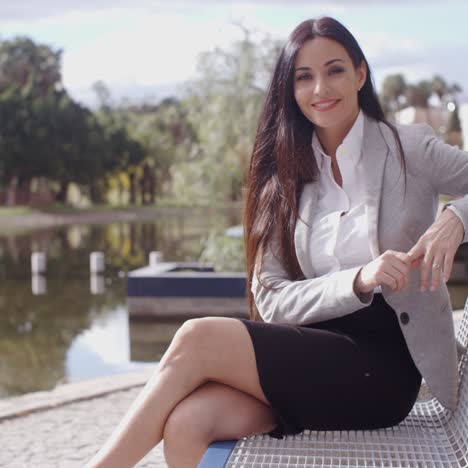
(340, 236)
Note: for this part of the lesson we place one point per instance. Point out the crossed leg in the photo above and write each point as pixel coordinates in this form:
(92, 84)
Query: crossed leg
(208, 357)
(212, 412)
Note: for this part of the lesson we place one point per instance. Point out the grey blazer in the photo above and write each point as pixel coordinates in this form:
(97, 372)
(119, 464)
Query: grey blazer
(425, 318)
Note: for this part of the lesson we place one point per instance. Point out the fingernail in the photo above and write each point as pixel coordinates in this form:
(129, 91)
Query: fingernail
(422, 288)
(433, 288)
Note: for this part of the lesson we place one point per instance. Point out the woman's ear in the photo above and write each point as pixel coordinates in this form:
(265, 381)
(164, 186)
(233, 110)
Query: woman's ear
(362, 73)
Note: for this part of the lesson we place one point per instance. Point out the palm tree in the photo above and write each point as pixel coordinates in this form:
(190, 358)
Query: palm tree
(393, 94)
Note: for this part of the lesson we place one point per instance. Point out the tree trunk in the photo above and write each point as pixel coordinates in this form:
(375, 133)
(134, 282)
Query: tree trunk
(61, 195)
(132, 177)
(94, 192)
(10, 199)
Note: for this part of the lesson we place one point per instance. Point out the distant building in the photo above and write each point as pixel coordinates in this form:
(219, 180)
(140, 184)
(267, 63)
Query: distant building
(437, 116)
(434, 116)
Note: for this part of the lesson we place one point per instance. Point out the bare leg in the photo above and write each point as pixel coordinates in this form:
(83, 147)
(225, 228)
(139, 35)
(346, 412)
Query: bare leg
(207, 349)
(213, 411)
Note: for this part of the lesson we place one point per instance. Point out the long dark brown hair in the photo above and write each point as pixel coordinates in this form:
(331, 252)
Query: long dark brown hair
(282, 158)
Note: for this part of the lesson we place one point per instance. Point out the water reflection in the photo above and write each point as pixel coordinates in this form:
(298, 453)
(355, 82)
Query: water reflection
(38, 284)
(37, 331)
(103, 349)
(97, 284)
(68, 325)
(149, 341)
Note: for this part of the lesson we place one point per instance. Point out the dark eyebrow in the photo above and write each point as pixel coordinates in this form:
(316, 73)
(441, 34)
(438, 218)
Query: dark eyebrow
(325, 64)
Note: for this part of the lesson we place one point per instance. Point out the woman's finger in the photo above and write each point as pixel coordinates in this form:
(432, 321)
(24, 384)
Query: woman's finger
(416, 263)
(417, 251)
(426, 267)
(448, 264)
(402, 263)
(436, 268)
(388, 280)
(396, 274)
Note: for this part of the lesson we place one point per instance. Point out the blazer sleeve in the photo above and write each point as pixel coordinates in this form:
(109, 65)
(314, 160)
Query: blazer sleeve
(303, 301)
(448, 166)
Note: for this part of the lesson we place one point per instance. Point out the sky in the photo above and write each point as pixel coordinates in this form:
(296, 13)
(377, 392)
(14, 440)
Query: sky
(148, 48)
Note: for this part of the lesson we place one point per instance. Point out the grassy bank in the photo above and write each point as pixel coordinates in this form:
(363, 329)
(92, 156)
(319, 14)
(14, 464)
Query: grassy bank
(17, 220)
(60, 209)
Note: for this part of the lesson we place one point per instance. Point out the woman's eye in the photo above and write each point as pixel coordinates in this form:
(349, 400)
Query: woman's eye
(306, 76)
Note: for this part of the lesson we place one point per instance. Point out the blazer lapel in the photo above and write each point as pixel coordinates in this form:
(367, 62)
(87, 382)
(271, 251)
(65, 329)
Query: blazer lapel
(303, 229)
(374, 155)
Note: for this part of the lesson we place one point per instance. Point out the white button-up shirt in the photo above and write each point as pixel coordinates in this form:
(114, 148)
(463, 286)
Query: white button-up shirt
(339, 234)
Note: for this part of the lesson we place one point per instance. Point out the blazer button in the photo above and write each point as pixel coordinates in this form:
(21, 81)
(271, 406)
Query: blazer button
(404, 318)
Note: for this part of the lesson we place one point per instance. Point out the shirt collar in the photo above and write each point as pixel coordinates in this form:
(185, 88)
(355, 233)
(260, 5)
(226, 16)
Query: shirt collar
(350, 147)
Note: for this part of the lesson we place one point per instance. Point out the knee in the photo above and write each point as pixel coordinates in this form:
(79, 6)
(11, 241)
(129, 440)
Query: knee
(187, 422)
(186, 436)
(175, 427)
(189, 341)
(196, 329)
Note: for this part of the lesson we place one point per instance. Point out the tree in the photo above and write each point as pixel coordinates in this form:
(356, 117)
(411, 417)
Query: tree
(223, 103)
(418, 95)
(103, 95)
(393, 95)
(46, 136)
(454, 134)
(169, 137)
(45, 133)
(439, 86)
(30, 66)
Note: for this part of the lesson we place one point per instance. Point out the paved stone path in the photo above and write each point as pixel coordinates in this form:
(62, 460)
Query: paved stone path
(68, 436)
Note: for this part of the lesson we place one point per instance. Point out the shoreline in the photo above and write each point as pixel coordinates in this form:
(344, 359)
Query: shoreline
(63, 394)
(37, 219)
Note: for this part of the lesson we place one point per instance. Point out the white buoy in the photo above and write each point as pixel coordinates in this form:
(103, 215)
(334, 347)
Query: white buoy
(96, 262)
(155, 258)
(38, 263)
(38, 284)
(97, 284)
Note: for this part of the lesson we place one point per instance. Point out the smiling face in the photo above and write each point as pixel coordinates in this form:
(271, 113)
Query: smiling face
(324, 72)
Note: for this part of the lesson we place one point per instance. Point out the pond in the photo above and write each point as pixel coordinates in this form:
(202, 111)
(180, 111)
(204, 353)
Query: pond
(77, 329)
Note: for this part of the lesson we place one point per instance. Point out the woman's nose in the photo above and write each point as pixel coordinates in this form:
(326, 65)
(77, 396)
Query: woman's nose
(320, 87)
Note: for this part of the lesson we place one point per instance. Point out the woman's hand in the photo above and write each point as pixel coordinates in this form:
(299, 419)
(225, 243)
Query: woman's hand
(391, 268)
(436, 248)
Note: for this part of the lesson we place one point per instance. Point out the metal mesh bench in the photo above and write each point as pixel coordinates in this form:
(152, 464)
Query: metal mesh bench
(430, 436)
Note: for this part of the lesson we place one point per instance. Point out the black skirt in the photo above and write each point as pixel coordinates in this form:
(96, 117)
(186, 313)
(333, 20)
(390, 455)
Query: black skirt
(352, 372)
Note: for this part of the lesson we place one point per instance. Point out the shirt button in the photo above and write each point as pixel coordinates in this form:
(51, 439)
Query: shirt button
(404, 318)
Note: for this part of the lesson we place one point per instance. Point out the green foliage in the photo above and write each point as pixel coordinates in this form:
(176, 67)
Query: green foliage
(225, 253)
(163, 131)
(197, 147)
(223, 104)
(397, 93)
(44, 133)
(35, 68)
(393, 90)
(418, 95)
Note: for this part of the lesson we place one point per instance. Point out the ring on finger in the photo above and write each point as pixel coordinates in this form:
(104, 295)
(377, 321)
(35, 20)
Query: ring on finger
(435, 265)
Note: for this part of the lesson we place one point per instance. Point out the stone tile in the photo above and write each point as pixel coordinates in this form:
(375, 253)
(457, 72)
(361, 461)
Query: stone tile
(68, 436)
